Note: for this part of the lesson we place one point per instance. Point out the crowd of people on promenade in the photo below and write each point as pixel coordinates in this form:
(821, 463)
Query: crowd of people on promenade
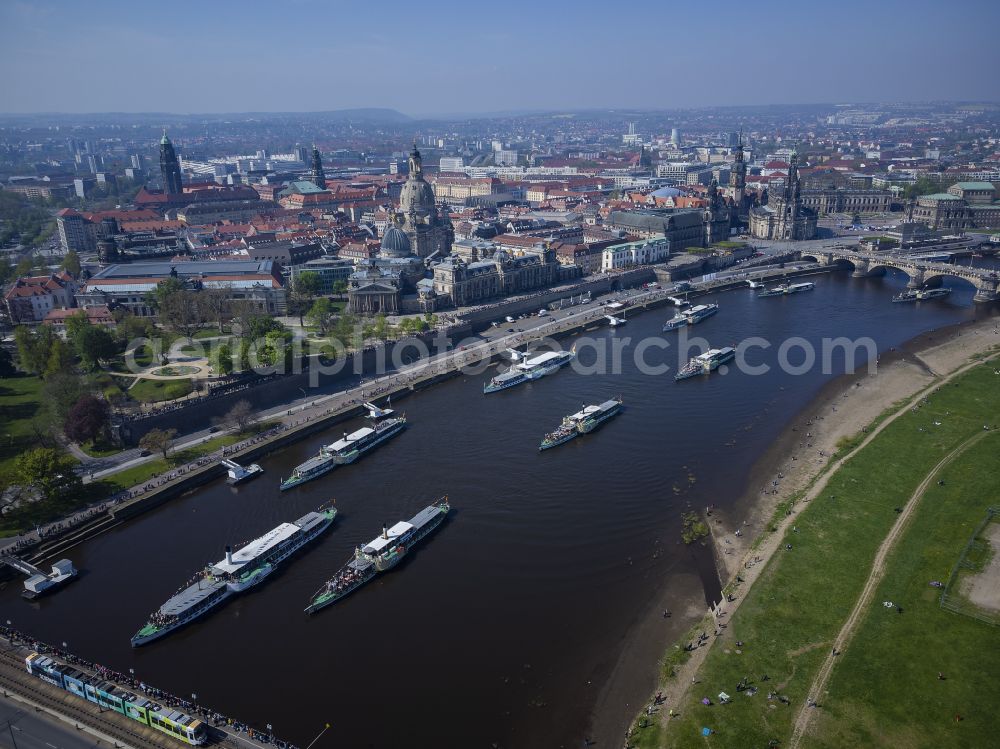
(131, 683)
(215, 391)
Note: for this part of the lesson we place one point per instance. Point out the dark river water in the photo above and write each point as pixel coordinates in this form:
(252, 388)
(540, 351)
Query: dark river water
(503, 627)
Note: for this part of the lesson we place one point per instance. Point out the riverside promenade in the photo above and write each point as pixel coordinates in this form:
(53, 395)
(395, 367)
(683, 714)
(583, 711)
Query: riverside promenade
(292, 422)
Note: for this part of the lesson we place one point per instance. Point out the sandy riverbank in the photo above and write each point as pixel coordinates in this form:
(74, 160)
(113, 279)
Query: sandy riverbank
(843, 409)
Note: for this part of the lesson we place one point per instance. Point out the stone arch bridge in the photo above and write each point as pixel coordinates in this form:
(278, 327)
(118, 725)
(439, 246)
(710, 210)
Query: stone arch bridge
(920, 272)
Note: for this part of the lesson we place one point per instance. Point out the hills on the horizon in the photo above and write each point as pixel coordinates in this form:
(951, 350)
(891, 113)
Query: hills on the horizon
(389, 116)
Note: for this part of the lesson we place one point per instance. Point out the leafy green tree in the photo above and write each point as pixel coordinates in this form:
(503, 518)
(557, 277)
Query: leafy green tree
(71, 263)
(274, 350)
(33, 347)
(321, 315)
(49, 471)
(164, 290)
(158, 441)
(380, 329)
(243, 355)
(87, 420)
(60, 359)
(6, 270)
(93, 343)
(222, 359)
(346, 331)
(129, 327)
(304, 291)
(261, 325)
(340, 287)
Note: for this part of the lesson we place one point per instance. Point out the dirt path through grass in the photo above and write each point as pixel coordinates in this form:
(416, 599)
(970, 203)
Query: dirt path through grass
(864, 601)
(756, 559)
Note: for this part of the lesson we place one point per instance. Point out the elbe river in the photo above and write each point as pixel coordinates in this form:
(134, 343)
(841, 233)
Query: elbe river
(504, 625)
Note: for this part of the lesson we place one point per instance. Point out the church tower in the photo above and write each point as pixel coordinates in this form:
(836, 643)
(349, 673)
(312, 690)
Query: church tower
(739, 174)
(793, 187)
(428, 233)
(170, 168)
(317, 177)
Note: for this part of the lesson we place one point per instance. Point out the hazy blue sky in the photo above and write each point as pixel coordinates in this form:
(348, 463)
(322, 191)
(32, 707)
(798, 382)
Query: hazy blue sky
(429, 57)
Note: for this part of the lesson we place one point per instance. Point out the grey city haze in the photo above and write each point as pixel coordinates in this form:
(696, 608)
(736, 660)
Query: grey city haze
(459, 58)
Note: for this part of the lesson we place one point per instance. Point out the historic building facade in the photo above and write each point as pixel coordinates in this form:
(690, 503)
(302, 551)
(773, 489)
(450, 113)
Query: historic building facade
(966, 205)
(784, 216)
(429, 232)
(375, 289)
(838, 200)
(460, 283)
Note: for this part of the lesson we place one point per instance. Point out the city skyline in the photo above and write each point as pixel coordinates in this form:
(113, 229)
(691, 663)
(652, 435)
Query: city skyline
(475, 61)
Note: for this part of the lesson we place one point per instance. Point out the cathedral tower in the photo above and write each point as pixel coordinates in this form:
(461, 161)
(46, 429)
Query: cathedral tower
(739, 174)
(170, 168)
(317, 177)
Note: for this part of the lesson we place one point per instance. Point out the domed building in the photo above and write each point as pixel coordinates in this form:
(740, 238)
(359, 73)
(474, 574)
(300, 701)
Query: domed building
(395, 243)
(428, 233)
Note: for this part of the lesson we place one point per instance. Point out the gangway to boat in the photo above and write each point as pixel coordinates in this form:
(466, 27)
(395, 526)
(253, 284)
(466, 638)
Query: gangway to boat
(20, 565)
(39, 583)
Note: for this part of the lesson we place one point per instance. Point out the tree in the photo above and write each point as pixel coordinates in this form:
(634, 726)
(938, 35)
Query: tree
(321, 315)
(92, 342)
(60, 392)
(87, 420)
(260, 325)
(239, 416)
(340, 287)
(71, 263)
(222, 359)
(164, 290)
(346, 331)
(33, 347)
(273, 350)
(304, 289)
(180, 312)
(24, 266)
(215, 306)
(158, 440)
(60, 359)
(49, 471)
(129, 327)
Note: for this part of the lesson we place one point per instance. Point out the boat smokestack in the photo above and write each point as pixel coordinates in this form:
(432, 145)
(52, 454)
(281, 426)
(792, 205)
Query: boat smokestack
(385, 531)
(229, 555)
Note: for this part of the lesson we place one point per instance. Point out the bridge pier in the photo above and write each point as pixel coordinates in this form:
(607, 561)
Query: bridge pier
(916, 279)
(861, 268)
(987, 291)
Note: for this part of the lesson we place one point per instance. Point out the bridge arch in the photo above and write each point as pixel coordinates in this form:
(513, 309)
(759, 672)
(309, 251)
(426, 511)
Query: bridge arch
(937, 277)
